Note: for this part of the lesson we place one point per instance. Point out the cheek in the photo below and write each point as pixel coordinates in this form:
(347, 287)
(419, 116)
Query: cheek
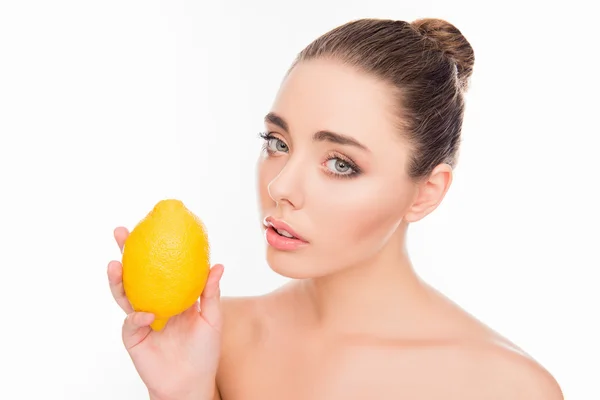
(361, 214)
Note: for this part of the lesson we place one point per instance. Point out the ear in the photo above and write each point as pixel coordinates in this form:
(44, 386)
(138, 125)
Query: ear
(430, 193)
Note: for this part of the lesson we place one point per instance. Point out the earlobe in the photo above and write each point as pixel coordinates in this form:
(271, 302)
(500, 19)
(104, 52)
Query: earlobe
(430, 193)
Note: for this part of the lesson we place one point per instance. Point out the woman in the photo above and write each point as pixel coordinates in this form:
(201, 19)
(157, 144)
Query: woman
(360, 142)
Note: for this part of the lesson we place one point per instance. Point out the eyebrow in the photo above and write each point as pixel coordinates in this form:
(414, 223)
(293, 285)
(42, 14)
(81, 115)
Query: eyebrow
(320, 136)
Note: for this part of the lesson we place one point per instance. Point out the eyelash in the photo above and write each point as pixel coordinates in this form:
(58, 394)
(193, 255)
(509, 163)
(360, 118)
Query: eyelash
(267, 136)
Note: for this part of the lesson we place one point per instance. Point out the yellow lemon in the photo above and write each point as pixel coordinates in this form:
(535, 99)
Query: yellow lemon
(166, 261)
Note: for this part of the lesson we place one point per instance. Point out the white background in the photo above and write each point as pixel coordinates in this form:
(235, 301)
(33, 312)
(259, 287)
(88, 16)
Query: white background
(107, 107)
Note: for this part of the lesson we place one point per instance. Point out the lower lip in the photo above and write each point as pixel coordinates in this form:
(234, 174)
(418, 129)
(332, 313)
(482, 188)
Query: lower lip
(281, 242)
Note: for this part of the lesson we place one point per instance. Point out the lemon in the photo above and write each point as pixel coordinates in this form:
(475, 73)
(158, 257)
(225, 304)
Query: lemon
(166, 261)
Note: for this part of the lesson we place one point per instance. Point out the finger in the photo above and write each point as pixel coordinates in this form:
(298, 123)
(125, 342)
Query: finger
(115, 281)
(136, 328)
(210, 300)
(121, 233)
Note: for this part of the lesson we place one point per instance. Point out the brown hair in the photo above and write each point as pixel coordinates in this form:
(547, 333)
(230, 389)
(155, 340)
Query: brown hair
(428, 62)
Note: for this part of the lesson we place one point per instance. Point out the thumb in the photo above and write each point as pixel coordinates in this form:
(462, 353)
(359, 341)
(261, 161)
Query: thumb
(136, 328)
(210, 300)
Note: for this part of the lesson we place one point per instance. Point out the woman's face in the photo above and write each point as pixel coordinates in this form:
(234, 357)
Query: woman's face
(333, 170)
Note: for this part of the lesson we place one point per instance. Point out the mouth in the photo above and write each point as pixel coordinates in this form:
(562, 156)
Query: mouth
(282, 229)
(284, 233)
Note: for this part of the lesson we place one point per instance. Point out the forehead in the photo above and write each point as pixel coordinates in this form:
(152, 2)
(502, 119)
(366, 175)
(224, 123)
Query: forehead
(324, 94)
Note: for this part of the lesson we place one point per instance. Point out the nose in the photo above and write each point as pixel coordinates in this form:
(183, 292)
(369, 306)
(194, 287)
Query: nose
(287, 186)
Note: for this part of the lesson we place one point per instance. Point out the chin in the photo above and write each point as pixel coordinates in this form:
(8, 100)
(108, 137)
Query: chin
(293, 265)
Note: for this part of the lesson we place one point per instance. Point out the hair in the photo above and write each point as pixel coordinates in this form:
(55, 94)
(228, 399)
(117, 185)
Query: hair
(427, 62)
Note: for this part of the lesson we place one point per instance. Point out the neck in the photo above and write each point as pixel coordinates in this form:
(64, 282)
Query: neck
(382, 295)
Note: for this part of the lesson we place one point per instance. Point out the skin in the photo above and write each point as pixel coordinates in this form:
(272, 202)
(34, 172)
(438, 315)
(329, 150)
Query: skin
(356, 321)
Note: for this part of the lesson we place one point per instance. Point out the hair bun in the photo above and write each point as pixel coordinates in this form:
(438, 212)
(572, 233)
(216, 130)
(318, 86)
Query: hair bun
(451, 42)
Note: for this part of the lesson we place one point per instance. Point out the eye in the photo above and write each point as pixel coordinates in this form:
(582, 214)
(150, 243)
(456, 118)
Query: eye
(274, 144)
(340, 167)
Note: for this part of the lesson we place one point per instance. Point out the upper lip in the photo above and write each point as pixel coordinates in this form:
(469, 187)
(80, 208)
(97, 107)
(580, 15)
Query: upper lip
(277, 224)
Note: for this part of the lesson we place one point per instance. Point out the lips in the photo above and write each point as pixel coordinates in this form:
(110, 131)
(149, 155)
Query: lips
(283, 229)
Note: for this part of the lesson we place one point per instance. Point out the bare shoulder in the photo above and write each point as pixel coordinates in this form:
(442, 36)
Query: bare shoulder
(241, 322)
(469, 360)
(246, 323)
(241, 330)
(502, 372)
(521, 376)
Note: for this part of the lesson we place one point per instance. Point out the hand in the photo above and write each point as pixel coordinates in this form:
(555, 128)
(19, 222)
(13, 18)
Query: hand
(181, 360)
